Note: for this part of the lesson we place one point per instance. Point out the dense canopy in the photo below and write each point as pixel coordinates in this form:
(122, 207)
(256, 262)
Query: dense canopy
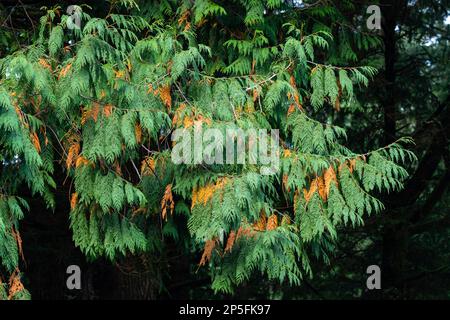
(90, 98)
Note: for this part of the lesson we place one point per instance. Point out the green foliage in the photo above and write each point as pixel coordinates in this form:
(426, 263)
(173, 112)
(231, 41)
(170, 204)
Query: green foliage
(113, 97)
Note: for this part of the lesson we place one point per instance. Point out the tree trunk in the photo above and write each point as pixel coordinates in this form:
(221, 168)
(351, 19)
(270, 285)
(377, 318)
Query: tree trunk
(395, 238)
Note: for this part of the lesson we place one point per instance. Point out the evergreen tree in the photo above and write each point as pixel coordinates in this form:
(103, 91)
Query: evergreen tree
(102, 102)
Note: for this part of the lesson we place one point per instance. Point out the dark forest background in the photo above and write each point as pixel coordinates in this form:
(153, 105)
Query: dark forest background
(410, 240)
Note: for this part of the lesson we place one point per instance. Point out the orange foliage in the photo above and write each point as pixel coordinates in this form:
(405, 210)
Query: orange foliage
(287, 153)
(148, 166)
(35, 140)
(64, 71)
(91, 113)
(138, 132)
(255, 95)
(285, 183)
(15, 285)
(167, 202)
(321, 184)
(272, 222)
(295, 96)
(351, 165)
(260, 225)
(184, 16)
(204, 194)
(81, 161)
(120, 74)
(164, 93)
(245, 231)
(321, 188)
(176, 117)
(230, 242)
(107, 110)
(312, 189)
(18, 238)
(72, 154)
(318, 184)
(291, 109)
(45, 64)
(73, 200)
(207, 253)
(188, 122)
(329, 177)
